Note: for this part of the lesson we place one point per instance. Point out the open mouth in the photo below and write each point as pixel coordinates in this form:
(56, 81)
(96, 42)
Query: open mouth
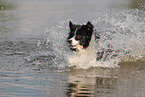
(76, 47)
(73, 46)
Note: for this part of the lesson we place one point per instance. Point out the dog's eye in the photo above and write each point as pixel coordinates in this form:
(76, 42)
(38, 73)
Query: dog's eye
(78, 36)
(84, 37)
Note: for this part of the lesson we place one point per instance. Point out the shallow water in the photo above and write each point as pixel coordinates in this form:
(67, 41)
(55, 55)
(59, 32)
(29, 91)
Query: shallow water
(35, 57)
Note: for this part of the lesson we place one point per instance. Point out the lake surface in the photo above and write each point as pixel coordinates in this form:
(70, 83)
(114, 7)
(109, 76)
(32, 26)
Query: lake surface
(35, 57)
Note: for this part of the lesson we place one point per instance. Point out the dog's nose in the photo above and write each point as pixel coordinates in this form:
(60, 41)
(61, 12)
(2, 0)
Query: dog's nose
(69, 40)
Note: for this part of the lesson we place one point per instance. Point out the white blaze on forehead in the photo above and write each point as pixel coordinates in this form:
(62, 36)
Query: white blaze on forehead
(74, 42)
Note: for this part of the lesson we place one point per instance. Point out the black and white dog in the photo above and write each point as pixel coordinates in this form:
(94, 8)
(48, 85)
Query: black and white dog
(80, 36)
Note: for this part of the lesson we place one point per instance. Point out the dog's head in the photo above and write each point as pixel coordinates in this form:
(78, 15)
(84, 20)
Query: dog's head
(80, 35)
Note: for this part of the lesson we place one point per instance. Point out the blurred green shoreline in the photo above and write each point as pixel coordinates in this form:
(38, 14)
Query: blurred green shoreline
(7, 5)
(132, 4)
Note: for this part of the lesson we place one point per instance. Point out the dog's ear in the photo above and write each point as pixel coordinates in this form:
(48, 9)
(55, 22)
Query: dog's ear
(70, 24)
(89, 24)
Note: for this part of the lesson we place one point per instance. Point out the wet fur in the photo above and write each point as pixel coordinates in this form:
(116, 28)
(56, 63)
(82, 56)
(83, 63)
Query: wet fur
(80, 37)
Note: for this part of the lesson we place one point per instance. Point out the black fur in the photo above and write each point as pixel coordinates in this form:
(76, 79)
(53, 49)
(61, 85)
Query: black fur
(81, 33)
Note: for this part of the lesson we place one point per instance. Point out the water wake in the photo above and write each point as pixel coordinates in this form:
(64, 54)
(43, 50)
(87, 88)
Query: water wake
(122, 38)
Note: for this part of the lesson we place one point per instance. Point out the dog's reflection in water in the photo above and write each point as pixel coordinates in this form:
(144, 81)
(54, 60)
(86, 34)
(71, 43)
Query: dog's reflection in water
(88, 83)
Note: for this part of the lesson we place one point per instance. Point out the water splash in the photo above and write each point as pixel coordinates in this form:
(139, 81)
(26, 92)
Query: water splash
(126, 35)
(122, 38)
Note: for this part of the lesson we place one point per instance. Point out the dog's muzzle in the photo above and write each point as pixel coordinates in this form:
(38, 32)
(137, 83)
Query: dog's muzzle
(72, 42)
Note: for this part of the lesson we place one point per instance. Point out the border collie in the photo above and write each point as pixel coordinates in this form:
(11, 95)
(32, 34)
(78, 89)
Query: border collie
(80, 36)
